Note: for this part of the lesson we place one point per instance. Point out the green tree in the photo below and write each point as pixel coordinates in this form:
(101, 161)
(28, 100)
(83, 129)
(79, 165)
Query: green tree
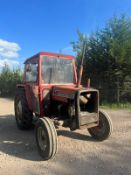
(108, 58)
(8, 80)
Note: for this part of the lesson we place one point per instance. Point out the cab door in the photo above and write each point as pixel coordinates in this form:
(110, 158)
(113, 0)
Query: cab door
(32, 87)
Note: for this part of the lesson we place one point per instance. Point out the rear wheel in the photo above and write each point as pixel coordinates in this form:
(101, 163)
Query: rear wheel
(23, 115)
(104, 129)
(46, 138)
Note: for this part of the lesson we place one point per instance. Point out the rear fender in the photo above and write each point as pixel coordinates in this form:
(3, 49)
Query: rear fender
(28, 94)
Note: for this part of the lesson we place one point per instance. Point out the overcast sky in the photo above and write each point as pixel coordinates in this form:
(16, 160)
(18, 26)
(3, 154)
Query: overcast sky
(30, 26)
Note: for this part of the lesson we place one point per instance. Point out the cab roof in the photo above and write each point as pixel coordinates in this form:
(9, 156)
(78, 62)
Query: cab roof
(48, 54)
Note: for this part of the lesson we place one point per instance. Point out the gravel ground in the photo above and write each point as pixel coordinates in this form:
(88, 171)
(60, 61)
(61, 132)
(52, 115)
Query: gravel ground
(78, 153)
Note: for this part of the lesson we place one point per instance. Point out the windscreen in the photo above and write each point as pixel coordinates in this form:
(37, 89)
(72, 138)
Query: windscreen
(57, 70)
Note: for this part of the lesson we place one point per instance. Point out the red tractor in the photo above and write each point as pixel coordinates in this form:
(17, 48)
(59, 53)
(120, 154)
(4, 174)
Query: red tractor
(52, 96)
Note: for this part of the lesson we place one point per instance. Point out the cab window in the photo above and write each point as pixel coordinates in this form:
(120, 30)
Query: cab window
(31, 72)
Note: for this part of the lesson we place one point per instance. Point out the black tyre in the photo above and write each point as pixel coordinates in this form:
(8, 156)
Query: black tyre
(46, 138)
(23, 115)
(104, 129)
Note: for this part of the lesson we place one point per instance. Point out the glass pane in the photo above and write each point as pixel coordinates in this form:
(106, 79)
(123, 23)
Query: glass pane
(31, 75)
(57, 70)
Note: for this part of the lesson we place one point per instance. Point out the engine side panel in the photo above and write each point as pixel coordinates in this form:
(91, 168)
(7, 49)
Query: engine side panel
(63, 94)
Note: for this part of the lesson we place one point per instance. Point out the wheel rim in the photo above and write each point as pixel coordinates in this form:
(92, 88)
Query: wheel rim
(42, 140)
(19, 112)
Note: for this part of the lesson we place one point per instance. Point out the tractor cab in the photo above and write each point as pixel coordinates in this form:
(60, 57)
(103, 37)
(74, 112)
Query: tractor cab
(44, 71)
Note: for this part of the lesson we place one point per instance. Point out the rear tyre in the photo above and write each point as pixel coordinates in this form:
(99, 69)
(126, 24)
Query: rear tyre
(46, 138)
(23, 115)
(104, 129)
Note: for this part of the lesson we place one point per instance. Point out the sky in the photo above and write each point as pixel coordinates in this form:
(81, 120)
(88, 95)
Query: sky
(30, 26)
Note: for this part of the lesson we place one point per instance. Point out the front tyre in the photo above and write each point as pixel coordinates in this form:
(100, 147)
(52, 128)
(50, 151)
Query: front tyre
(104, 129)
(46, 138)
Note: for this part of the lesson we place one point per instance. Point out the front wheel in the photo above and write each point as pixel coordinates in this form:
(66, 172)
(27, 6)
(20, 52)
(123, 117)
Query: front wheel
(104, 129)
(46, 138)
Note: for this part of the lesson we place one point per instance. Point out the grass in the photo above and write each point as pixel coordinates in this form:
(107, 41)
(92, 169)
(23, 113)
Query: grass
(116, 105)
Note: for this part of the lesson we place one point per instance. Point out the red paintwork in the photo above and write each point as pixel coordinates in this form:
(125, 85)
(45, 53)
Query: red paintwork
(36, 88)
(62, 93)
